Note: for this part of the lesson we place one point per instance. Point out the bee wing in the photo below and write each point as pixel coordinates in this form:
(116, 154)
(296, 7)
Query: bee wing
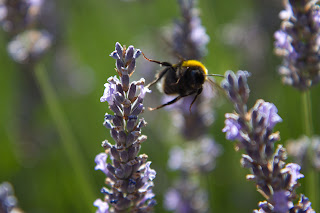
(215, 87)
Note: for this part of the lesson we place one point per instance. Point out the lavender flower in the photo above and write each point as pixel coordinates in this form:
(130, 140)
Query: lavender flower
(8, 202)
(195, 157)
(19, 18)
(129, 176)
(29, 46)
(186, 197)
(189, 40)
(198, 154)
(18, 15)
(297, 42)
(189, 37)
(274, 179)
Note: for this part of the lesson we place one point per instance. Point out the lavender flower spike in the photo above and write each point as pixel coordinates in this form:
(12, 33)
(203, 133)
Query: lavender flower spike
(297, 42)
(129, 176)
(189, 37)
(274, 179)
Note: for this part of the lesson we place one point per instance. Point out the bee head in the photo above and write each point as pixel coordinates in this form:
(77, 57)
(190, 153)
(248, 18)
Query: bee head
(195, 77)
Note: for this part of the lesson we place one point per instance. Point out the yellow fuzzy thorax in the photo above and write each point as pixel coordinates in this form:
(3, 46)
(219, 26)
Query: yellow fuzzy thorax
(195, 63)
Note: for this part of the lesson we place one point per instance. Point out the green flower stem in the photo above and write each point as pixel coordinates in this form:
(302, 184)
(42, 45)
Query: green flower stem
(312, 178)
(307, 113)
(69, 144)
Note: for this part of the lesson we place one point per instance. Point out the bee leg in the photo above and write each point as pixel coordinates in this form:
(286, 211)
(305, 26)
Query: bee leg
(195, 98)
(166, 64)
(159, 76)
(166, 104)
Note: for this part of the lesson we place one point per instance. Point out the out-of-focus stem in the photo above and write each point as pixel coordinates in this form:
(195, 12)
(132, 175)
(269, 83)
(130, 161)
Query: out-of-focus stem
(307, 113)
(68, 141)
(311, 175)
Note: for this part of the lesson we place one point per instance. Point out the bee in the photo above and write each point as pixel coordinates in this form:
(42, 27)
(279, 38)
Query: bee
(183, 79)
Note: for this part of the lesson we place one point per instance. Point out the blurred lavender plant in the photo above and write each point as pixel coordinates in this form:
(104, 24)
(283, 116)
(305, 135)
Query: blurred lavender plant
(297, 42)
(188, 39)
(19, 19)
(129, 176)
(298, 149)
(275, 180)
(186, 197)
(195, 157)
(8, 202)
(17, 15)
(26, 46)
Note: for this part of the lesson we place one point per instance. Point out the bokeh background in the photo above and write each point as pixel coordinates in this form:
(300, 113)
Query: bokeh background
(241, 38)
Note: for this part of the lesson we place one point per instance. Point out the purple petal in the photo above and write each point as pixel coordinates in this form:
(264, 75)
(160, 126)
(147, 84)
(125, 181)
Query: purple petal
(149, 173)
(269, 112)
(232, 128)
(108, 93)
(282, 204)
(101, 161)
(103, 207)
(294, 171)
(143, 91)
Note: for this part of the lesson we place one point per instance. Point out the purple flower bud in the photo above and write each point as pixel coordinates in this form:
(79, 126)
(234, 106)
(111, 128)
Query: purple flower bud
(125, 82)
(124, 156)
(107, 124)
(119, 50)
(131, 123)
(119, 65)
(129, 53)
(137, 110)
(117, 121)
(119, 97)
(122, 136)
(115, 109)
(131, 66)
(132, 91)
(126, 110)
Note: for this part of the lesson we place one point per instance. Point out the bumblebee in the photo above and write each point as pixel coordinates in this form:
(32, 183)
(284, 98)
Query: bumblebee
(184, 79)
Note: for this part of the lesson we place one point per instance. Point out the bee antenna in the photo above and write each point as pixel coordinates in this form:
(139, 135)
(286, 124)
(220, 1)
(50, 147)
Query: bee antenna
(167, 64)
(215, 75)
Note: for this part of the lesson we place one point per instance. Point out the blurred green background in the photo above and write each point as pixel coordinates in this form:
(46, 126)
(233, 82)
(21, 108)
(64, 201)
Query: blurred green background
(241, 38)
